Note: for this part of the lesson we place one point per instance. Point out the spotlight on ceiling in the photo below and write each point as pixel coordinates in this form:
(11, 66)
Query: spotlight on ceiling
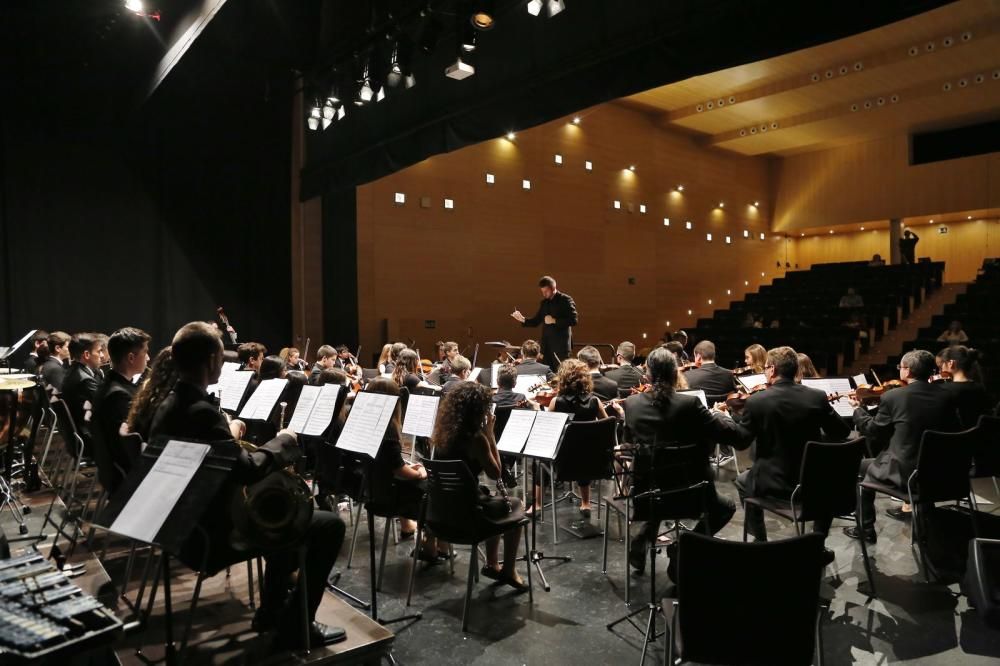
(482, 17)
(576, 120)
(134, 5)
(535, 7)
(315, 114)
(556, 6)
(510, 136)
(459, 70)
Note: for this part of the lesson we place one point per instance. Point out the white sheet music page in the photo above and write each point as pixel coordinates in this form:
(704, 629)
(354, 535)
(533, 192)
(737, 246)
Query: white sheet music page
(367, 422)
(859, 380)
(154, 499)
(494, 370)
(421, 412)
(213, 389)
(323, 411)
(700, 393)
(231, 388)
(303, 408)
(543, 442)
(474, 375)
(525, 382)
(751, 381)
(516, 432)
(262, 401)
(830, 385)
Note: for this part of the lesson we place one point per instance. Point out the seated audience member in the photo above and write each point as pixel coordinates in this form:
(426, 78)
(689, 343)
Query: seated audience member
(79, 386)
(876, 260)
(158, 383)
(326, 358)
(464, 431)
(902, 416)
(505, 395)
(626, 375)
(782, 419)
(806, 368)
(461, 368)
(576, 397)
(53, 367)
(961, 365)
(128, 349)
(529, 363)
(661, 417)
(708, 376)
(404, 373)
(954, 335)
(188, 412)
(31, 363)
(603, 386)
(755, 358)
(851, 299)
(251, 354)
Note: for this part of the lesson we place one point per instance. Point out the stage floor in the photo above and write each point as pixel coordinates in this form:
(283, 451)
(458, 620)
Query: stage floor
(911, 623)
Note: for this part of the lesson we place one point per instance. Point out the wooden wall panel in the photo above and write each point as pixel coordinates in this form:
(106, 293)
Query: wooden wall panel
(467, 268)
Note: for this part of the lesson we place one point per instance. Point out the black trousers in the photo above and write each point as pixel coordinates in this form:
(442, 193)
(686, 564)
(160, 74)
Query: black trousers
(323, 539)
(754, 516)
(720, 510)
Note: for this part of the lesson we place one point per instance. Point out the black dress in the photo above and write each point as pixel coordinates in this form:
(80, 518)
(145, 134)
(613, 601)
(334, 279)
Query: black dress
(496, 508)
(972, 400)
(583, 408)
(405, 495)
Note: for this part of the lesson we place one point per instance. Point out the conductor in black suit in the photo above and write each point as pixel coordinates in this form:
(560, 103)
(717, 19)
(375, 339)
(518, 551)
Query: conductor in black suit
(557, 315)
(902, 417)
(783, 418)
(716, 382)
(189, 412)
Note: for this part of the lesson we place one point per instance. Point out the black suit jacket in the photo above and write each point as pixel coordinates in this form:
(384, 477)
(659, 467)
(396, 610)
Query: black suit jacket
(603, 387)
(188, 412)
(679, 419)
(783, 418)
(902, 417)
(111, 406)
(530, 367)
(626, 376)
(557, 338)
(711, 379)
(507, 398)
(79, 388)
(53, 371)
(30, 364)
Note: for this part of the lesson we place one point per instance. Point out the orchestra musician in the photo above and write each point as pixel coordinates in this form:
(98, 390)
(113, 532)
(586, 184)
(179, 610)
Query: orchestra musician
(528, 364)
(505, 395)
(292, 358)
(53, 366)
(557, 315)
(158, 384)
(626, 375)
(900, 420)
(405, 371)
(961, 363)
(783, 418)
(604, 387)
(326, 358)
(394, 351)
(755, 358)
(681, 337)
(129, 352)
(707, 376)
(806, 368)
(189, 412)
(31, 362)
(79, 385)
(383, 358)
(461, 368)
(663, 416)
(344, 357)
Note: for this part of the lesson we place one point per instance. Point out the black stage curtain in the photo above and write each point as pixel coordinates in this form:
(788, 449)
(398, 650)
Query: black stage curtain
(155, 216)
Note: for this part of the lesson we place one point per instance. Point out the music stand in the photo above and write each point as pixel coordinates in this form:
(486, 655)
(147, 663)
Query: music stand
(7, 352)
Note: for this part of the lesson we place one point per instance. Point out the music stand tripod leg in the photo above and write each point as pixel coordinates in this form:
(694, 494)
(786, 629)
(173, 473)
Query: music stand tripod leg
(536, 555)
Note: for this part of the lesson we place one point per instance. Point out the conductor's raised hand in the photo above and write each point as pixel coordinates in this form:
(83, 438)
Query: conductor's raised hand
(516, 314)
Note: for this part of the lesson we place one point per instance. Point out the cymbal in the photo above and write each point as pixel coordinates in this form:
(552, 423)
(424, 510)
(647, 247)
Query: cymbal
(15, 384)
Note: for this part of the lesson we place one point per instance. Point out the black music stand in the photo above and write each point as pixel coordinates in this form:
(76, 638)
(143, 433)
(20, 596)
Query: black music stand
(183, 516)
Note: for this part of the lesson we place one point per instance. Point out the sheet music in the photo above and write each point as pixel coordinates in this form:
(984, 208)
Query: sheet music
(323, 411)
(154, 499)
(859, 380)
(700, 393)
(213, 389)
(232, 386)
(750, 381)
(494, 370)
(303, 408)
(421, 412)
(525, 382)
(515, 433)
(831, 385)
(543, 442)
(367, 422)
(474, 375)
(262, 401)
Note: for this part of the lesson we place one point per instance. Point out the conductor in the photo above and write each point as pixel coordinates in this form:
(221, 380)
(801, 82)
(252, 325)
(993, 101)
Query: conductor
(557, 314)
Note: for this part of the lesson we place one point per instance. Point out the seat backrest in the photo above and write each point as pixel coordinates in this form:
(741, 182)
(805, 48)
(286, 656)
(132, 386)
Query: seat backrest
(452, 500)
(500, 417)
(829, 478)
(64, 420)
(784, 587)
(587, 450)
(987, 454)
(404, 400)
(943, 465)
(669, 481)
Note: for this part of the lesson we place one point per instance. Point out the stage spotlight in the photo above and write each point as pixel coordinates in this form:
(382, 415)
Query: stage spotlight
(535, 7)
(556, 6)
(328, 111)
(315, 114)
(468, 38)
(134, 5)
(380, 95)
(510, 136)
(459, 70)
(482, 17)
(313, 123)
(410, 81)
(576, 120)
(326, 122)
(341, 112)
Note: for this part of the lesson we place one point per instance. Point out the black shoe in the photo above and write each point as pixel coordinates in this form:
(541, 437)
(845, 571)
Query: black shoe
(898, 513)
(637, 558)
(853, 533)
(829, 557)
(290, 637)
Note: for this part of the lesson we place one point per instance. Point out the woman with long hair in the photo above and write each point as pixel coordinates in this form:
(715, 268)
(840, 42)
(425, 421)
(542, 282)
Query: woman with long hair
(405, 371)
(755, 358)
(384, 358)
(157, 385)
(806, 368)
(962, 364)
(464, 431)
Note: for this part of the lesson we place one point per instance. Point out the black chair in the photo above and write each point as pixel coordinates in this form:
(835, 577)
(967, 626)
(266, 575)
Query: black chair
(827, 479)
(986, 458)
(669, 484)
(452, 512)
(982, 580)
(586, 452)
(941, 475)
(783, 593)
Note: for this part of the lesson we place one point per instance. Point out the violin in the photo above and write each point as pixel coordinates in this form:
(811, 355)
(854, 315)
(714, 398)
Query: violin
(689, 366)
(868, 395)
(941, 377)
(737, 400)
(745, 370)
(544, 392)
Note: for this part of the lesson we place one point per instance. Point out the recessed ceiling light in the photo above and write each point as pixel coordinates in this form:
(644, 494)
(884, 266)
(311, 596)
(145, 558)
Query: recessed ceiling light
(588, 165)
(756, 204)
(666, 221)
(576, 120)
(510, 136)
(631, 167)
(862, 228)
(490, 179)
(558, 158)
(680, 188)
(968, 217)
(722, 204)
